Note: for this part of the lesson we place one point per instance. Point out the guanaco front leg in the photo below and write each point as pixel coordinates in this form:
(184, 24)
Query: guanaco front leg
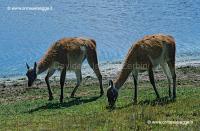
(151, 78)
(49, 74)
(62, 82)
(135, 78)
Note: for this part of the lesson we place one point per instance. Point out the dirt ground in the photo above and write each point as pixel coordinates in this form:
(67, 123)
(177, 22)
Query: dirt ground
(11, 89)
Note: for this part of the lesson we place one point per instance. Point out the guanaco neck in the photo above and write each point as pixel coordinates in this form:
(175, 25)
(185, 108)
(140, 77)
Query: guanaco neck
(123, 76)
(43, 65)
(126, 70)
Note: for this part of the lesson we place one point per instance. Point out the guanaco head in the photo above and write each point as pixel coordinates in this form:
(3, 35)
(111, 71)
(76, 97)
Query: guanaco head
(31, 74)
(112, 94)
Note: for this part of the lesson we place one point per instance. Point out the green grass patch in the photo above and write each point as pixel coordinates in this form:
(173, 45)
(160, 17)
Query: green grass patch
(88, 111)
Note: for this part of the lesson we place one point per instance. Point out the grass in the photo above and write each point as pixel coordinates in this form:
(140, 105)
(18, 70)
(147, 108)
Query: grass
(88, 111)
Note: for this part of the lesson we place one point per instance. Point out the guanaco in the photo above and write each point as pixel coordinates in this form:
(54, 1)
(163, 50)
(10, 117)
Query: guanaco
(66, 54)
(145, 55)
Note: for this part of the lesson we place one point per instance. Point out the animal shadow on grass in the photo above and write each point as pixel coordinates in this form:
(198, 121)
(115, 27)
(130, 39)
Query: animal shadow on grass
(118, 108)
(162, 101)
(73, 102)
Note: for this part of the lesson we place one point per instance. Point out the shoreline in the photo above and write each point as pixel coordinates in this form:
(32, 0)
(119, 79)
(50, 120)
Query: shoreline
(109, 70)
(106, 68)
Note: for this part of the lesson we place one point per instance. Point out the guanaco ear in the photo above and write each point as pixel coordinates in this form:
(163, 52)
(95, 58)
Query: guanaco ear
(110, 83)
(27, 66)
(35, 65)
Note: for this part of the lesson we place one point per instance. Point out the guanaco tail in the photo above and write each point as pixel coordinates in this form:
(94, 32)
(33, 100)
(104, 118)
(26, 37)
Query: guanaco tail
(145, 55)
(66, 54)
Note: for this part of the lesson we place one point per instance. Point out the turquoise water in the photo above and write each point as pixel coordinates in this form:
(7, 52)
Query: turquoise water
(115, 25)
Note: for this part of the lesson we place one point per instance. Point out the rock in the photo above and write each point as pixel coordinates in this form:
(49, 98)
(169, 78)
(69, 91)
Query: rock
(88, 77)
(22, 78)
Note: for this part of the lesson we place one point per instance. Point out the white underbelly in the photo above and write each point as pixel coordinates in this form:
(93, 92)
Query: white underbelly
(73, 62)
(158, 61)
(144, 67)
(70, 67)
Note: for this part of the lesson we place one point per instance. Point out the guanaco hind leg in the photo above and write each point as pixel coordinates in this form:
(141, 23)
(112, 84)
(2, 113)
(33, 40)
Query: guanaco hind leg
(79, 79)
(93, 62)
(171, 65)
(167, 72)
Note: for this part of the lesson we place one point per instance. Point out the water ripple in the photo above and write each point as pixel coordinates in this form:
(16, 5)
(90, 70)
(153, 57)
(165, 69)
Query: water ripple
(26, 35)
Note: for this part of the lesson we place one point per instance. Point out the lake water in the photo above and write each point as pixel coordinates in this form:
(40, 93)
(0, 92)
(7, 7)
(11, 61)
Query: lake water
(114, 24)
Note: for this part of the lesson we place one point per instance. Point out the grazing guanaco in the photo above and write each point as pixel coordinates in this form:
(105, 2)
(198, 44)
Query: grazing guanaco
(144, 55)
(66, 54)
